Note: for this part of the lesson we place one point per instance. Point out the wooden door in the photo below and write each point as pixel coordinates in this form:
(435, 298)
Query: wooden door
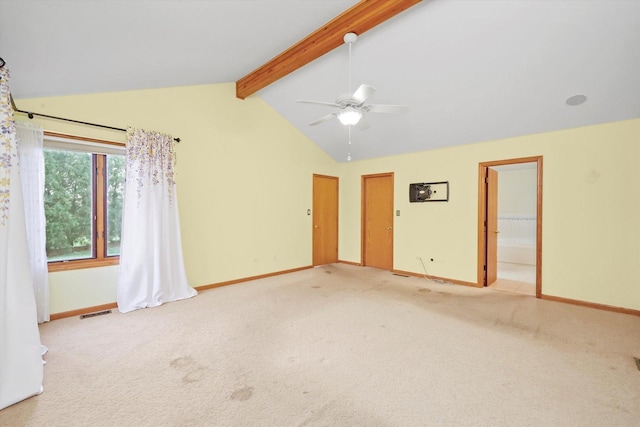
(492, 226)
(377, 220)
(325, 219)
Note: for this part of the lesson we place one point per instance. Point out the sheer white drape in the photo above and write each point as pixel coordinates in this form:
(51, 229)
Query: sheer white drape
(30, 147)
(151, 264)
(21, 369)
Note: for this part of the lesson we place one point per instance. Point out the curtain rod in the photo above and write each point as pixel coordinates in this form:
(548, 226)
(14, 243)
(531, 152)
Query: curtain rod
(30, 114)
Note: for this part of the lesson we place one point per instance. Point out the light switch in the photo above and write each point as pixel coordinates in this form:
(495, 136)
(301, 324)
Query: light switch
(308, 211)
(398, 212)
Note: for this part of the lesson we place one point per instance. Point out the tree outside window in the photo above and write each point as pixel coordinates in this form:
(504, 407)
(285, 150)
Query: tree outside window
(83, 204)
(115, 195)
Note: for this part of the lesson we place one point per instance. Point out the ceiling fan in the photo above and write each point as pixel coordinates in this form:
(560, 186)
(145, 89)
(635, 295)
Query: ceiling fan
(352, 107)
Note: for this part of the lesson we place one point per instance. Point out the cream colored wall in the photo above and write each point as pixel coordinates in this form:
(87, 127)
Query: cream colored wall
(244, 181)
(74, 289)
(591, 210)
(517, 192)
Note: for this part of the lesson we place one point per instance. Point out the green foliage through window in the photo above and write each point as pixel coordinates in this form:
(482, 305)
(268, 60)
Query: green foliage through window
(70, 201)
(115, 194)
(68, 204)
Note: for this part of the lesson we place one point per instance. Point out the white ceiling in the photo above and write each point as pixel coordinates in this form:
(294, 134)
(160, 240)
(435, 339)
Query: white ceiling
(469, 70)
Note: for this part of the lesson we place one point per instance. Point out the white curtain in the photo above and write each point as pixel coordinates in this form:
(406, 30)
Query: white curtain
(151, 264)
(21, 368)
(30, 143)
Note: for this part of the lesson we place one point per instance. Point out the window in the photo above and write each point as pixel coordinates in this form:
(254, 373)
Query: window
(83, 194)
(115, 192)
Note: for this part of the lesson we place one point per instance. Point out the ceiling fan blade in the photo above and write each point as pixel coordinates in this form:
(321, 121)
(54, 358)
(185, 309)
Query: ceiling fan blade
(362, 94)
(323, 119)
(331, 104)
(385, 108)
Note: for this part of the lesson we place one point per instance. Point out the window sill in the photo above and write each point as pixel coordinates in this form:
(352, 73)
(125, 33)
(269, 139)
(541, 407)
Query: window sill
(82, 263)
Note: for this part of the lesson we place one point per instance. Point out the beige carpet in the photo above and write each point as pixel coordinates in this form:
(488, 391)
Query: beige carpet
(341, 346)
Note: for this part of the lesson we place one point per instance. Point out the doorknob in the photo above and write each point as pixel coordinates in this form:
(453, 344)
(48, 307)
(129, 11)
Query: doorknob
(315, 226)
(388, 228)
(496, 231)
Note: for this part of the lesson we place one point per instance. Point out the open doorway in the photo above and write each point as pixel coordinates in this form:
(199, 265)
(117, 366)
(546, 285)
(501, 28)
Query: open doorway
(510, 225)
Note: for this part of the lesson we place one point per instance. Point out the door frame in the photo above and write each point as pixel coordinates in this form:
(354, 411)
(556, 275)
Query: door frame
(363, 212)
(482, 200)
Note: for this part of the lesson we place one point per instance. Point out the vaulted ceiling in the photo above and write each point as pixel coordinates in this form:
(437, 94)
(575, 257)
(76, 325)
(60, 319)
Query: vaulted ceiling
(469, 71)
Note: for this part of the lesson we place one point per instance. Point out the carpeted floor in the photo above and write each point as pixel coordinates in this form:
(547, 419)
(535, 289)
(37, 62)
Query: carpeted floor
(341, 346)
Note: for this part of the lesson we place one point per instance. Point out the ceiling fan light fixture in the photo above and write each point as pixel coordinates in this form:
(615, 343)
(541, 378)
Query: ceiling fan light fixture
(349, 116)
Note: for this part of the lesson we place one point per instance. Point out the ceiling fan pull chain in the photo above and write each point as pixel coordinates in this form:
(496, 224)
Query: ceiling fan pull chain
(349, 148)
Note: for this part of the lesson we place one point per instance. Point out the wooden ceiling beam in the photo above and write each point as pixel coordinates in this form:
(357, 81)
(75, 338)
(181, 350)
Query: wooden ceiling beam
(362, 17)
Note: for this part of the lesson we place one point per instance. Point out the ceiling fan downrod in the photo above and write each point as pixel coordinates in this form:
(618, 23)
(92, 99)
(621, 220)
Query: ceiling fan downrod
(349, 39)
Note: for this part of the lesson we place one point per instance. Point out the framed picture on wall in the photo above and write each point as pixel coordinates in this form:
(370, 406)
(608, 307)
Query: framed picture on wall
(429, 192)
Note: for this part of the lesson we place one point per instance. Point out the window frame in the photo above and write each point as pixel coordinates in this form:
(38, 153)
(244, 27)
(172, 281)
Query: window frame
(99, 189)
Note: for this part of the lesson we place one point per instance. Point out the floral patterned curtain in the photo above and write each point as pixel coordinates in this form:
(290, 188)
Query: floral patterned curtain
(8, 148)
(21, 369)
(151, 264)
